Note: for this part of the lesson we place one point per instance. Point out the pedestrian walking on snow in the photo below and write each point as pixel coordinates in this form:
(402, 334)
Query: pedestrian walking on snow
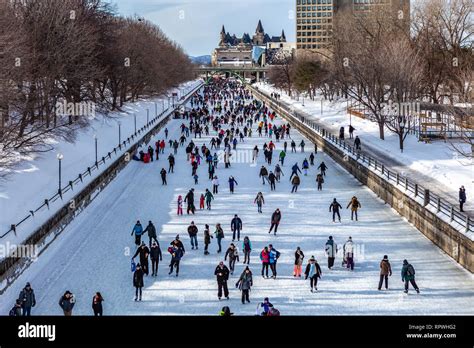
(207, 239)
(144, 252)
(462, 198)
(222, 275)
(180, 205)
(67, 302)
(151, 232)
(219, 236)
(385, 272)
(348, 250)
(138, 230)
(232, 183)
(408, 276)
(233, 254)
(246, 248)
(355, 205)
(27, 299)
(299, 257)
(193, 231)
(260, 201)
(331, 251)
(236, 227)
(265, 258)
(244, 284)
(334, 207)
(163, 176)
(275, 221)
(97, 304)
(156, 257)
(138, 282)
(295, 182)
(313, 272)
(209, 198)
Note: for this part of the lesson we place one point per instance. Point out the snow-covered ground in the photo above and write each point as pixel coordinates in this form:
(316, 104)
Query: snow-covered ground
(437, 160)
(37, 177)
(93, 253)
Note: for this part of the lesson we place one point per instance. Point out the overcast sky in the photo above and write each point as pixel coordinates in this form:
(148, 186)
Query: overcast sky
(196, 24)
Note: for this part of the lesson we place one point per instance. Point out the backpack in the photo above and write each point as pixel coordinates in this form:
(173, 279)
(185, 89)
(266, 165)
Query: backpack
(273, 312)
(410, 270)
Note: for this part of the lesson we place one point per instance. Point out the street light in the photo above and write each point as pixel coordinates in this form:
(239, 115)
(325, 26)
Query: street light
(135, 122)
(402, 128)
(59, 156)
(321, 106)
(303, 98)
(95, 140)
(147, 116)
(120, 132)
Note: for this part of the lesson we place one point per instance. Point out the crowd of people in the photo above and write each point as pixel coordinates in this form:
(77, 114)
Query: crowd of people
(228, 113)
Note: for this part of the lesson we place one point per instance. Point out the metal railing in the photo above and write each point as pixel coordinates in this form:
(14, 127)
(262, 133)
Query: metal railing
(88, 172)
(380, 169)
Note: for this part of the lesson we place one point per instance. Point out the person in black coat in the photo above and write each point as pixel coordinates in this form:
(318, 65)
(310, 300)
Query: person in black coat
(27, 298)
(222, 274)
(163, 177)
(138, 282)
(190, 200)
(334, 207)
(236, 226)
(276, 217)
(156, 257)
(462, 198)
(144, 252)
(151, 232)
(67, 302)
(97, 304)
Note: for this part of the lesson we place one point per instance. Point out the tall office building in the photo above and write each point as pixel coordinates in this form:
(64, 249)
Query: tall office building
(315, 18)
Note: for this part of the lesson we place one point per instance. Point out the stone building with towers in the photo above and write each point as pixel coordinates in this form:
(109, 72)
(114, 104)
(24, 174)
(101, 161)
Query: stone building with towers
(245, 50)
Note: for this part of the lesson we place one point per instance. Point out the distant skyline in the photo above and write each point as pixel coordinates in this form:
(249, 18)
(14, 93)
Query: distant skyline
(196, 24)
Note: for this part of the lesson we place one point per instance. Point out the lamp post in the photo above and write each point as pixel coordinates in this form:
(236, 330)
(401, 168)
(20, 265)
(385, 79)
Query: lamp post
(95, 141)
(402, 129)
(321, 106)
(147, 116)
(135, 122)
(303, 98)
(120, 132)
(59, 156)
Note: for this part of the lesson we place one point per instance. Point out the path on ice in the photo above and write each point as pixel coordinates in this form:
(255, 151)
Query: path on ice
(436, 166)
(91, 256)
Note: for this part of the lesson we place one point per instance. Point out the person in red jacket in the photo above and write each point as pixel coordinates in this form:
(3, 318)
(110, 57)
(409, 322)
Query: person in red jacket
(265, 257)
(162, 146)
(201, 202)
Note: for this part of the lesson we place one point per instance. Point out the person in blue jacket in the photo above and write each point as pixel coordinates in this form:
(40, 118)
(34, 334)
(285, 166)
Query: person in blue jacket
(232, 183)
(294, 170)
(138, 230)
(236, 227)
(274, 255)
(305, 166)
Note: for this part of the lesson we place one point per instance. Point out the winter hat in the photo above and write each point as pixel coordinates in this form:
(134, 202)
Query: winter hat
(350, 238)
(312, 258)
(177, 236)
(138, 265)
(330, 237)
(27, 285)
(385, 257)
(405, 262)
